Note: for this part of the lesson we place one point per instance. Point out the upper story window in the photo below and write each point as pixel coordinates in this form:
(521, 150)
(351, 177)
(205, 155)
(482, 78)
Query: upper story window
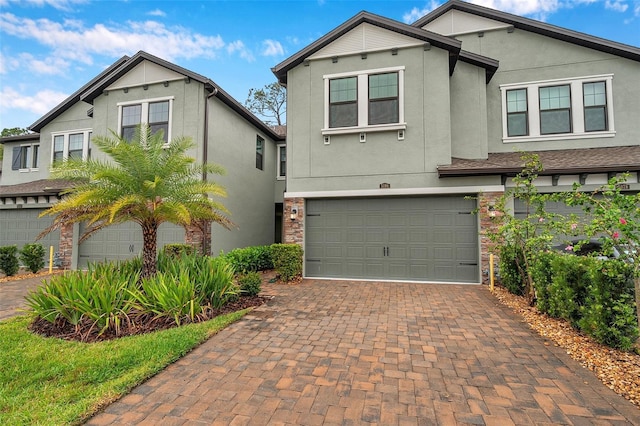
(156, 113)
(368, 100)
(281, 171)
(25, 157)
(259, 152)
(73, 144)
(573, 108)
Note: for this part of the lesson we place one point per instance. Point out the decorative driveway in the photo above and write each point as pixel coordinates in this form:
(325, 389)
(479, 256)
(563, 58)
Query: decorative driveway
(347, 353)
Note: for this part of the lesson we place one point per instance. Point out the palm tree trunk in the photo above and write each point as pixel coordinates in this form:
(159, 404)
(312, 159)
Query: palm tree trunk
(150, 239)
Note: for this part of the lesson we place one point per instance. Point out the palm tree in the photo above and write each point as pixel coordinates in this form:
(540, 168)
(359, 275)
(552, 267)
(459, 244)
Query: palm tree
(146, 181)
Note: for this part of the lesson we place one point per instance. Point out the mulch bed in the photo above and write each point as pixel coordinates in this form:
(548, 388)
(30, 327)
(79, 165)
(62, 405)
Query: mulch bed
(87, 332)
(618, 370)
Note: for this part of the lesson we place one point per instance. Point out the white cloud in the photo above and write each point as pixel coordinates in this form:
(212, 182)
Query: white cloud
(40, 103)
(238, 46)
(52, 65)
(57, 4)
(8, 63)
(272, 48)
(616, 5)
(156, 12)
(72, 40)
(538, 9)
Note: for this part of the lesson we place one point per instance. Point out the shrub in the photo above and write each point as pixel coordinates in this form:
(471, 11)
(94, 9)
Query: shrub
(542, 275)
(256, 258)
(250, 283)
(287, 260)
(8, 260)
(510, 277)
(32, 256)
(568, 289)
(215, 280)
(176, 250)
(609, 314)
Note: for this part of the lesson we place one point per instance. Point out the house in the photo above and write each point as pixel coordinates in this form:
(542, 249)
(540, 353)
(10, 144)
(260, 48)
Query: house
(145, 89)
(397, 133)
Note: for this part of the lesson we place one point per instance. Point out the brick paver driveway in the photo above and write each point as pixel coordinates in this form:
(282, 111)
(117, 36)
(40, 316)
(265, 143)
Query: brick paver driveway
(336, 352)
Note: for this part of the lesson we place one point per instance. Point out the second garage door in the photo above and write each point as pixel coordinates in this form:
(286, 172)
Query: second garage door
(408, 238)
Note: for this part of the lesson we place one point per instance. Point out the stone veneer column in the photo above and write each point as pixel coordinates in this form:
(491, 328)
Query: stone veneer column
(65, 249)
(293, 229)
(487, 222)
(198, 235)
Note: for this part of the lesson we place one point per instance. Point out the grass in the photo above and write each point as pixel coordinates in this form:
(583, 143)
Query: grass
(52, 381)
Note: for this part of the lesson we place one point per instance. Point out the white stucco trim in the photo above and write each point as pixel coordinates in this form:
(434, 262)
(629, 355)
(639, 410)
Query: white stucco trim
(395, 192)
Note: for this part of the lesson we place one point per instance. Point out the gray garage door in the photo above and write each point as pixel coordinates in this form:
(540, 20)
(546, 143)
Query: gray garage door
(22, 226)
(121, 242)
(409, 238)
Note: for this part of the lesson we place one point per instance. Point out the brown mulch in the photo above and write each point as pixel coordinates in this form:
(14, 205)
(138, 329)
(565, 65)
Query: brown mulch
(22, 275)
(618, 370)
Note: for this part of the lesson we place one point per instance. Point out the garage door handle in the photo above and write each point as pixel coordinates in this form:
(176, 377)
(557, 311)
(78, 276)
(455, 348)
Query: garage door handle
(468, 263)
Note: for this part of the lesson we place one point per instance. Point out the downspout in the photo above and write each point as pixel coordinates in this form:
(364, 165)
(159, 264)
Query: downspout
(205, 154)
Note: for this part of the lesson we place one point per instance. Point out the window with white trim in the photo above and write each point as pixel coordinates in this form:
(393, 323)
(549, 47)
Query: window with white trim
(281, 169)
(364, 101)
(156, 113)
(572, 108)
(73, 144)
(25, 157)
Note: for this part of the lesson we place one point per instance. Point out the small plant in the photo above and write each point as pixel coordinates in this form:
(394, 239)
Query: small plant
(176, 250)
(32, 256)
(9, 260)
(250, 283)
(287, 260)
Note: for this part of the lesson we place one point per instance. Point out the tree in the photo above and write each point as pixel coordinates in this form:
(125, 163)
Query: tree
(269, 102)
(14, 131)
(147, 181)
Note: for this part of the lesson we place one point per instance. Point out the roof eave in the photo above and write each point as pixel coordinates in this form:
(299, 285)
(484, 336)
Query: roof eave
(512, 171)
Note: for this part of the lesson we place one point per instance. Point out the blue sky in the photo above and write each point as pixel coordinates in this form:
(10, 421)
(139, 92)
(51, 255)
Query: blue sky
(49, 48)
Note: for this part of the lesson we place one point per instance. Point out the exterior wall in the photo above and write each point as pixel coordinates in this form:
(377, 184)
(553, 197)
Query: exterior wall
(294, 229)
(250, 191)
(346, 163)
(487, 223)
(468, 112)
(526, 57)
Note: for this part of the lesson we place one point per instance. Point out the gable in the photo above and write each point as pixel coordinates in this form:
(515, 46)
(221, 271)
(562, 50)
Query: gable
(455, 22)
(365, 38)
(145, 72)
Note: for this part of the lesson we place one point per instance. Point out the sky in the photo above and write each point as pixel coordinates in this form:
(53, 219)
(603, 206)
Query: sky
(50, 48)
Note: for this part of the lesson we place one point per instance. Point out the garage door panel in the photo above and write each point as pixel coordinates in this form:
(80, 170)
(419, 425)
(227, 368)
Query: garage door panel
(22, 226)
(413, 238)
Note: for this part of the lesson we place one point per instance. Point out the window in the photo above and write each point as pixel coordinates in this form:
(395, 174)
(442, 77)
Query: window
(555, 110)
(517, 112)
(383, 98)
(156, 113)
(281, 171)
(74, 144)
(595, 106)
(259, 152)
(343, 102)
(25, 158)
(572, 108)
(364, 101)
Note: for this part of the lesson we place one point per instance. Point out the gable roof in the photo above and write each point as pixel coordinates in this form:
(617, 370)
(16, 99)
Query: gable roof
(557, 162)
(559, 33)
(437, 40)
(75, 97)
(94, 88)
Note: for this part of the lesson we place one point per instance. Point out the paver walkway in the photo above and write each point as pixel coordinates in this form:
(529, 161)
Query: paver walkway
(12, 295)
(337, 352)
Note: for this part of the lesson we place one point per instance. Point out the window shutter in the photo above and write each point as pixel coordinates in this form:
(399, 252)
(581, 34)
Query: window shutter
(17, 158)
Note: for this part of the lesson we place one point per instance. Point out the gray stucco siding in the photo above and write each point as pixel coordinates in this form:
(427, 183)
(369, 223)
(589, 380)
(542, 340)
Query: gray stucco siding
(317, 166)
(528, 57)
(250, 191)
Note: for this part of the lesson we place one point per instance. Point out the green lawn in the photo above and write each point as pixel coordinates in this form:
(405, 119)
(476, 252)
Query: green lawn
(52, 381)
